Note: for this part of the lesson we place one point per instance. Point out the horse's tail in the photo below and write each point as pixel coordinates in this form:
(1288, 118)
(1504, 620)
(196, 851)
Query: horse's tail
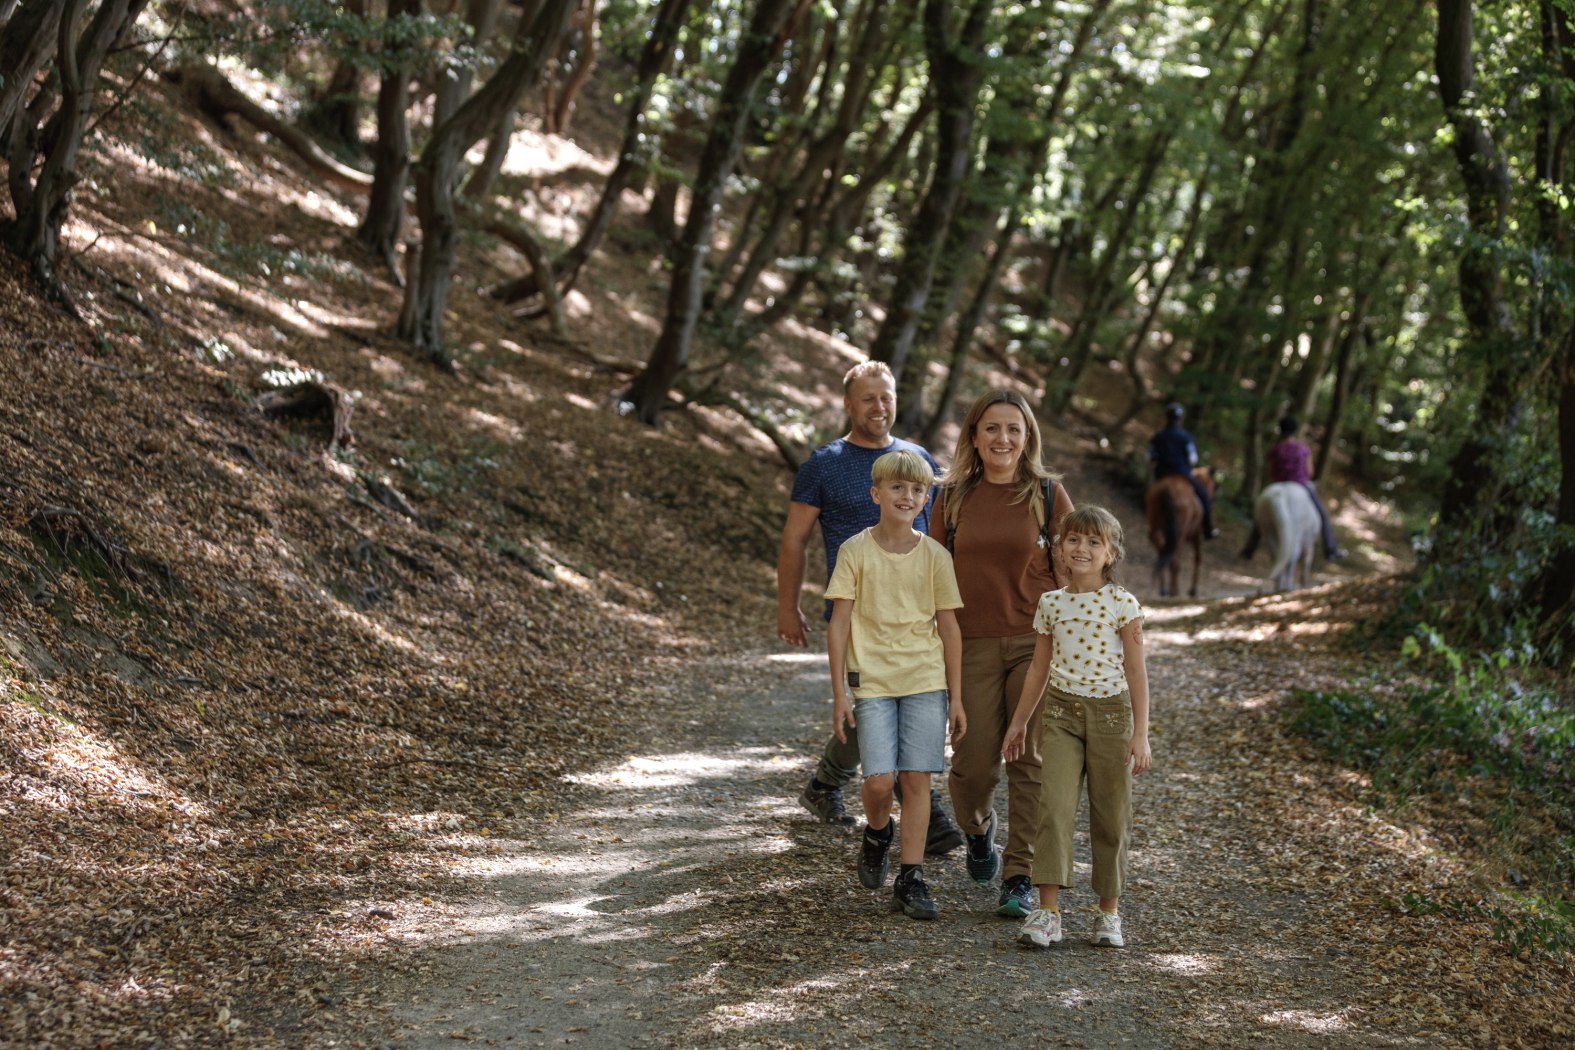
(1287, 549)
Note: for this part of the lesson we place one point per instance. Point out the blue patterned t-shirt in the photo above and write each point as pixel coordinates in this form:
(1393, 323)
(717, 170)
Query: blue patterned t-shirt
(836, 479)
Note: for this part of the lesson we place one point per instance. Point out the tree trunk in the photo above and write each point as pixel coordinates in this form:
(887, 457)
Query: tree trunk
(1304, 391)
(34, 233)
(1334, 419)
(832, 223)
(585, 61)
(385, 210)
(956, 71)
(823, 158)
(661, 218)
(962, 339)
(1555, 591)
(336, 113)
(437, 173)
(812, 50)
(768, 31)
(1469, 488)
(1557, 585)
(1102, 298)
(29, 41)
(479, 186)
(658, 51)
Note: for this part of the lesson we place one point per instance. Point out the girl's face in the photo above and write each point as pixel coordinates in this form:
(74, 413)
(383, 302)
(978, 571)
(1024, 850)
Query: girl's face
(999, 438)
(1087, 554)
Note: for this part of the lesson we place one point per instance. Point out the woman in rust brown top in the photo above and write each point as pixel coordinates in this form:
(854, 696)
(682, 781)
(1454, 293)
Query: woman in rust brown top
(991, 514)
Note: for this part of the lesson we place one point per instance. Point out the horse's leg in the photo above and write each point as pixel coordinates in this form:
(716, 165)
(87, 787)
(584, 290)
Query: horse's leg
(1197, 563)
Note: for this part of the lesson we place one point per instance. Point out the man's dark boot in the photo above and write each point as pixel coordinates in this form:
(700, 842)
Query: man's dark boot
(943, 835)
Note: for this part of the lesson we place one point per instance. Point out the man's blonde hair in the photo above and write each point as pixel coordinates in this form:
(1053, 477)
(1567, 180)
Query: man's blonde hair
(878, 369)
(902, 465)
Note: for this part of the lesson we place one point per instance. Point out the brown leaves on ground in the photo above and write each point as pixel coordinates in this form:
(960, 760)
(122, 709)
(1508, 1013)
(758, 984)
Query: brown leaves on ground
(247, 703)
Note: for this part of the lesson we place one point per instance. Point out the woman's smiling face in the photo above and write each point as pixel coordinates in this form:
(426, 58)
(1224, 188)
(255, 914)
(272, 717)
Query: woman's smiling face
(999, 438)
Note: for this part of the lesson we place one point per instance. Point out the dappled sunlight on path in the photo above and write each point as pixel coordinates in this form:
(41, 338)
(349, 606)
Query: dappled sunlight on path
(684, 899)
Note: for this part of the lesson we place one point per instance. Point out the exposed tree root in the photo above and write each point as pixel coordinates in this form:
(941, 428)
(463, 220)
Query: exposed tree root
(313, 399)
(210, 91)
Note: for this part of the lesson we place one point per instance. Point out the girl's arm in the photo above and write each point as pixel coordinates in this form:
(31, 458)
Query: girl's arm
(1016, 741)
(951, 646)
(1138, 754)
(837, 634)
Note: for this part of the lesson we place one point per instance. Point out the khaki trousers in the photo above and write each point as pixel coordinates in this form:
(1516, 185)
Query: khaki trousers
(993, 670)
(1085, 740)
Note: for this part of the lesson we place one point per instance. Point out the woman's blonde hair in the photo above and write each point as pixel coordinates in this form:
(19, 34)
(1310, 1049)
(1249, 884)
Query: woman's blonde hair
(1091, 520)
(967, 470)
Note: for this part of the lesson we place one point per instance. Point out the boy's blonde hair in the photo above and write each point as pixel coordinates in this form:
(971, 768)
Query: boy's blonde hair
(902, 465)
(1091, 520)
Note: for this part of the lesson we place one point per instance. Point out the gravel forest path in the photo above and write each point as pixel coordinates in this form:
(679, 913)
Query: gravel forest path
(683, 899)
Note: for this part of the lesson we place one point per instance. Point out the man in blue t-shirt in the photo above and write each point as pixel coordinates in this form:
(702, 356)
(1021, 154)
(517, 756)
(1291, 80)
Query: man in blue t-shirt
(1172, 451)
(833, 488)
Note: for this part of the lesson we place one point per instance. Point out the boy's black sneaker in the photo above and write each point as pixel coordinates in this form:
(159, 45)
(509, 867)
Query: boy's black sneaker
(943, 834)
(984, 860)
(911, 896)
(872, 858)
(825, 803)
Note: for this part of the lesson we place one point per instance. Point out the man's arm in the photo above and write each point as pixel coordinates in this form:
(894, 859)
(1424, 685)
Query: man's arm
(792, 561)
(837, 634)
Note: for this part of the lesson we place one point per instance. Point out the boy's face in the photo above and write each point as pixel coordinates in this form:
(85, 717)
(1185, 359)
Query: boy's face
(899, 500)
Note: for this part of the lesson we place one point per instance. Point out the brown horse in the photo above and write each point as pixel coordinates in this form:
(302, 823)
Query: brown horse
(1175, 517)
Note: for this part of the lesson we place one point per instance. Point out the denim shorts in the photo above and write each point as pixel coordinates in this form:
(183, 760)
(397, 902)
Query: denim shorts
(902, 734)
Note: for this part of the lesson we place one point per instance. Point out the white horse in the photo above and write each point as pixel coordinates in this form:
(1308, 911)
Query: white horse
(1288, 523)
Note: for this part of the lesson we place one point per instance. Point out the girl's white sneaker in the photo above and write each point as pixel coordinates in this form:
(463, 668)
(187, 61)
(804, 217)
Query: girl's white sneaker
(1041, 929)
(1107, 930)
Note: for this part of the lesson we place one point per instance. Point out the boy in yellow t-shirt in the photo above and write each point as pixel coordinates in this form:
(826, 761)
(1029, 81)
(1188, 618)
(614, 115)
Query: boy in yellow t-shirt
(895, 646)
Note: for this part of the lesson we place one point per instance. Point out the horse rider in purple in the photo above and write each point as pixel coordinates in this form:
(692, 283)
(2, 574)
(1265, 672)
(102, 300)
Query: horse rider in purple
(1172, 451)
(1291, 460)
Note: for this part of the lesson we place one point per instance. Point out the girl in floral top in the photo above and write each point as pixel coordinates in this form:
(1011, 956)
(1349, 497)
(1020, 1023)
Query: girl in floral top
(1088, 662)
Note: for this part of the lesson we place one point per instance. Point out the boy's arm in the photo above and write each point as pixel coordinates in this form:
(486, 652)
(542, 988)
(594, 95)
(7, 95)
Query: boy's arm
(951, 649)
(1139, 754)
(837, 634)
(1016, 741)
(792, 562)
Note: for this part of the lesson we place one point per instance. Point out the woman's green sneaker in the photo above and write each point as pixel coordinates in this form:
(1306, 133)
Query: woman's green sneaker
(1018, 898)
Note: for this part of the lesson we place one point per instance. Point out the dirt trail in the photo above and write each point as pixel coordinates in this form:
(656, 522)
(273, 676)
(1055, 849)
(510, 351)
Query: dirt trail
(685, 900)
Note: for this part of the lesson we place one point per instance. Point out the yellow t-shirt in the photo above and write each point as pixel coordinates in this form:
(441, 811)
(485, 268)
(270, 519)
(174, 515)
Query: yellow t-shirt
(894, 645)
(1089, 659)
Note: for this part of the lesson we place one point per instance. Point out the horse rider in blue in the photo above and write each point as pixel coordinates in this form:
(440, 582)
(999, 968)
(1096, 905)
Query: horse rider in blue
(1172, 451)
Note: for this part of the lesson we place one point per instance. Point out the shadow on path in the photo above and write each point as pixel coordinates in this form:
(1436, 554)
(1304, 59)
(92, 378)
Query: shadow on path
(685, 900)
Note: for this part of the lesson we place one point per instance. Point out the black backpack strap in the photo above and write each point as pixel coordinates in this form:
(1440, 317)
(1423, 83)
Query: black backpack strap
(1047, 491)
(942, 496)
